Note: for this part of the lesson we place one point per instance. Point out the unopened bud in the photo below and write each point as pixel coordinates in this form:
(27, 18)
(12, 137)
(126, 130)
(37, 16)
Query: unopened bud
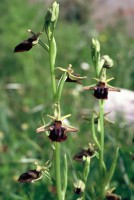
(95, 45)
(108, 62)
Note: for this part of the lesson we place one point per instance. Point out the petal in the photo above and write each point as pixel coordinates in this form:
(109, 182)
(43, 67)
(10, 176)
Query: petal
(40, 129)
(70, 128)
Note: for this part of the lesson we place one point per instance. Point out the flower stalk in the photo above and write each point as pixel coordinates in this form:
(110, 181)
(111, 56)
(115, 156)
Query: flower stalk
(101, 90)
(86, 173)
(52, 57)
(57, 170)
(101, 156)
(49, 25)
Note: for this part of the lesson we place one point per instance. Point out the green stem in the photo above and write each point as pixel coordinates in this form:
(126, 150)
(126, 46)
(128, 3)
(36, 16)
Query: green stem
(101, 157)
(85, 174)
(52, 57)
(65, 177)
(57, 170)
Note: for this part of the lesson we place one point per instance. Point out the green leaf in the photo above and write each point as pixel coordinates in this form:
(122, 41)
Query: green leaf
(111, 171)
(60, 86)
(94, 133)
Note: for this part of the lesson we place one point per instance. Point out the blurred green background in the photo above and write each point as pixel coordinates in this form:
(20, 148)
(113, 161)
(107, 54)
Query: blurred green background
(26, 95)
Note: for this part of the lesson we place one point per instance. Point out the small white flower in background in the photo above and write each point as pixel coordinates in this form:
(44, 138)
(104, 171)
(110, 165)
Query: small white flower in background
(85, 66)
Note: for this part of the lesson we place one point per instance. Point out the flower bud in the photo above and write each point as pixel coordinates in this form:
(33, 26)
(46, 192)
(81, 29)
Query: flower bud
(51, 19)
(95, 45)
(108, 62)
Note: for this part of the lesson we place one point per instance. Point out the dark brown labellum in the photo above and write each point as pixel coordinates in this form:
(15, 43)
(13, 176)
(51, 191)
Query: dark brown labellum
(26, 45)
(113, 197)
(73, 80)
(29, 176)
(84, 152)
(77, 190)
(58, 132)
(101, 93)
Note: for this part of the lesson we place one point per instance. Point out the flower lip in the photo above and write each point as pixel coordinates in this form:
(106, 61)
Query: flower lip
(57, 132)
(26, 45)
(101, 91)
(23, 46)
(76, 80)
(30, 176)
(87, 152)
(77, 190)
(112, 196)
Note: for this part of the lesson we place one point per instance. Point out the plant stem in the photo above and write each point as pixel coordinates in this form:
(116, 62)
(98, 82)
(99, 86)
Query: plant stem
(65, 177)
(52, 57)
(101, 157)
(57, 170)
(85, 174)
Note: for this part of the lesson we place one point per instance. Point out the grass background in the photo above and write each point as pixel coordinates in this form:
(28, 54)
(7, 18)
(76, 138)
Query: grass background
(21, 109)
